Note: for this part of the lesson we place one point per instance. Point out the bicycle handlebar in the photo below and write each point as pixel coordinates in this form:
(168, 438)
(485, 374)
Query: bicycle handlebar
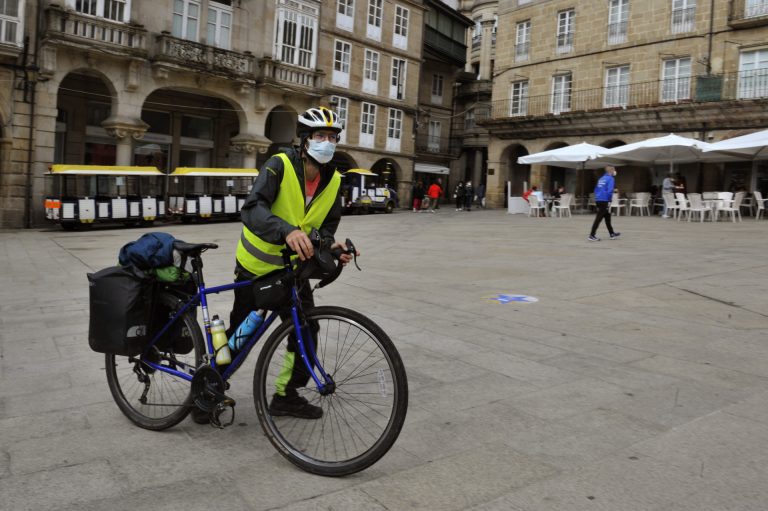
(320, 257)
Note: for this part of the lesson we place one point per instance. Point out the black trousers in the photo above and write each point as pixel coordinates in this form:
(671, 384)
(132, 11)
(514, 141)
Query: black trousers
(244, 304)
(603, 212)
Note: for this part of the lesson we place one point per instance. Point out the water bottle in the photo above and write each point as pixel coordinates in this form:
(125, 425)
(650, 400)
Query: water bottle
(220, 346)
(246, 328)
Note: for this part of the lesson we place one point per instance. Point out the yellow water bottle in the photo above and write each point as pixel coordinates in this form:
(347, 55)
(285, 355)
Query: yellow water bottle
(220, 342)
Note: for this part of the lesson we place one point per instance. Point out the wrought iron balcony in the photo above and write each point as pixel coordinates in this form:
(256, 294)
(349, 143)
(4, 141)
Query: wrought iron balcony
(743, 85)
(442, 146)
(444, 45)
(94, 34)
(189, 54)
(295, 77)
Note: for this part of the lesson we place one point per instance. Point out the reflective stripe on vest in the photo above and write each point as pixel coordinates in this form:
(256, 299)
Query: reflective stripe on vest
(260, 257)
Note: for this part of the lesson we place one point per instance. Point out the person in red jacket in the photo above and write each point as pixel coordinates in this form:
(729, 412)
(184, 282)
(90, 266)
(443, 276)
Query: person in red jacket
(434, 193)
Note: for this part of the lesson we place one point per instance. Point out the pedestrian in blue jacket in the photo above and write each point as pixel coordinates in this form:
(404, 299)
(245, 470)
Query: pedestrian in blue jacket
(603, 195)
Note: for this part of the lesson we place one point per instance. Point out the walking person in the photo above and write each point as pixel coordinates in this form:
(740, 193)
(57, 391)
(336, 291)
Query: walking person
(458, 194)
(481, 195)
(667, 186)
(418, 196)
(434, 193)
(603, 195)
(469, 195)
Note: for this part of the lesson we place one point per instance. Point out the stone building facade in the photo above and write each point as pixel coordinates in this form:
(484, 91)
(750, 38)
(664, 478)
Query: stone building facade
(199, 83)
(620, 71)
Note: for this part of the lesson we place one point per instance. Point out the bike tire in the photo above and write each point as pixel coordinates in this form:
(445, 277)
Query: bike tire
(169, 398)
(361, 419)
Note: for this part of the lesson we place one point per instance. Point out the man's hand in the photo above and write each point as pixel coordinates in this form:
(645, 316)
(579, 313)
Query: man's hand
(344, 257)
(299, 242)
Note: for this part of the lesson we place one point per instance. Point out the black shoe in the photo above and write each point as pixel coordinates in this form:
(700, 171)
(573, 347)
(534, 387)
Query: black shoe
(295, 406)
(615, 235)
(200, 416)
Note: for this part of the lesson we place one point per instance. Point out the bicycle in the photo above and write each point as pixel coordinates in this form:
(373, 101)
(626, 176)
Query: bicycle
(357, 375)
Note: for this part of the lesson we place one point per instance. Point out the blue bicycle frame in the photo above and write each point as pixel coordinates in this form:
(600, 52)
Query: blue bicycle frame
(187, 372)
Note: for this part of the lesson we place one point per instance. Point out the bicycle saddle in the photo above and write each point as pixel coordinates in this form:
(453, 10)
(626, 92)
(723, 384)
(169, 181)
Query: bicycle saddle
(192, 249)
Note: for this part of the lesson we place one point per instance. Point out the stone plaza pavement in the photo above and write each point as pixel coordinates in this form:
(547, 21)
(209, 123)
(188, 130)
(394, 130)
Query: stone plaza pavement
(637, 381)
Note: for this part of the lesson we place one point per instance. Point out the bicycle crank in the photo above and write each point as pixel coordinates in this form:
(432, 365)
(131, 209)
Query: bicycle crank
(208, 391)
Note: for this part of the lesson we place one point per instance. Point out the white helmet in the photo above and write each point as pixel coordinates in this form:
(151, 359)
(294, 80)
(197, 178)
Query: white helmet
(317, 118)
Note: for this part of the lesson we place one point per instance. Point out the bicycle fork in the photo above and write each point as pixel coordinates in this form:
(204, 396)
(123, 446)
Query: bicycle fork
(324, 382)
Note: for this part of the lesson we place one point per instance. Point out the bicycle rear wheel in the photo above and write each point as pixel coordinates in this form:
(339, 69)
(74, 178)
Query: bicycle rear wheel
(361, 419)
(150, 398)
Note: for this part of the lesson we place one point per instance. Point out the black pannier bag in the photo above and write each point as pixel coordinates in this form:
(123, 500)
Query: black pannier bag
(121, 310)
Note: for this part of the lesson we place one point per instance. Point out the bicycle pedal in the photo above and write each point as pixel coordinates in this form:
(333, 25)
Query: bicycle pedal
(221, 407)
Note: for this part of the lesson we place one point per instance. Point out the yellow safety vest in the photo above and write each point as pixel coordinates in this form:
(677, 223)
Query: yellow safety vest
(260, 257)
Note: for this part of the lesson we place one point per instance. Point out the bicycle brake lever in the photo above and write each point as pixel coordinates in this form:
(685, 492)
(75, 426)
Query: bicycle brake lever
(351, 250)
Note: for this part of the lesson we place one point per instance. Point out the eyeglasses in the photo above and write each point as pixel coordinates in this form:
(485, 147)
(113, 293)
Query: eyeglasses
(330, 137)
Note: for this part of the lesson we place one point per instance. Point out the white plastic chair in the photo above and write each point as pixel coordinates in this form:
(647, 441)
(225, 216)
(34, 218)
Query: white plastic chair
(640, 201)
(618, 204)
(748, 202)
(698, 206)
(671, 204)
(734, 209)
(759, 204)
(535, 205)
(682, 206)
(562, 205)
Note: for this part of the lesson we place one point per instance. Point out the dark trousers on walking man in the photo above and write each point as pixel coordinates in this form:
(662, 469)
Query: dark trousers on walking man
(603, 213)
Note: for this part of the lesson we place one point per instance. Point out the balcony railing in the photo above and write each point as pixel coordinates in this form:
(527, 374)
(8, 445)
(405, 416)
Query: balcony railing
(443, 44)
(726, 87)
(617, 32)
(445, 146)
(274, 71)
(191, 54)
(90, 31)
(748, 13)
(564, 42)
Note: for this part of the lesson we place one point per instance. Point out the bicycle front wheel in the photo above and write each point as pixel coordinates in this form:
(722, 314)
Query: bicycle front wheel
(155, 399)
(361, 419)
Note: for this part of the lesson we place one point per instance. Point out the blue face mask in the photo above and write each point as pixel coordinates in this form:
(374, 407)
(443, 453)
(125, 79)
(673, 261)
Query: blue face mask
(321, 151)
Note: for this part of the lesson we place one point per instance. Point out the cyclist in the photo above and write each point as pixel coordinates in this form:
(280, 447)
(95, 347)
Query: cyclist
(296, 190)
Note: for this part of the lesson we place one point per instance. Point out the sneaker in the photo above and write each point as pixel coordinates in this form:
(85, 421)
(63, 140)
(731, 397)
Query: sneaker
(295, 406)
(200, 416)
(615, 235)
(665, 216)
(593, 238)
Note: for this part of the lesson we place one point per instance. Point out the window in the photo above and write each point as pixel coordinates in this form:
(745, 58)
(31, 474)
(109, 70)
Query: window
(371, 72)
(296, 35)
(616, 86)
(561, 93)
(676, 79)
(400, 37)
(341, 57)
(519, 102)
(373, 30)
(437, 89)
(397, 83)
(342, 110)
(219, 25)
(618, 14)
(753, 74)
(11, 17)
(683, 16)
(345, 14)
(523, 41)
(565, 27)
(115, 10)
(469, 119)
(186, 18)
(433, 136)
(477, 33)
(755, 8)
(394, 129)
(367, 125)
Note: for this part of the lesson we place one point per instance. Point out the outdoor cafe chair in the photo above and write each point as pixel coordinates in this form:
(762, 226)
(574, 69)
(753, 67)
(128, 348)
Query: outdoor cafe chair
(671, 204)
(618, 204)
(562, 205)
(748, 203)
(640, 201)
(734, 209)
(759, 204)
(698, 206)
(537, 206)
(682, 205)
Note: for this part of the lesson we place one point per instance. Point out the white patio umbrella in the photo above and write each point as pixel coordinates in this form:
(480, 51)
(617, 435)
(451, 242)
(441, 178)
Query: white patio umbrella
(577, 156)
(753, 146)
(668, 149)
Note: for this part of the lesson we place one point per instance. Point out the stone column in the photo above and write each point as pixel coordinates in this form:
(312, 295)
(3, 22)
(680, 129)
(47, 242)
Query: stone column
(485, 49)
(125, 130)
(477, 172)
(249, 145)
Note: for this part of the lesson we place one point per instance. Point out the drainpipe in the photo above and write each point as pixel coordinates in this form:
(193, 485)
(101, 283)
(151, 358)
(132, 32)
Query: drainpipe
(709, 36)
